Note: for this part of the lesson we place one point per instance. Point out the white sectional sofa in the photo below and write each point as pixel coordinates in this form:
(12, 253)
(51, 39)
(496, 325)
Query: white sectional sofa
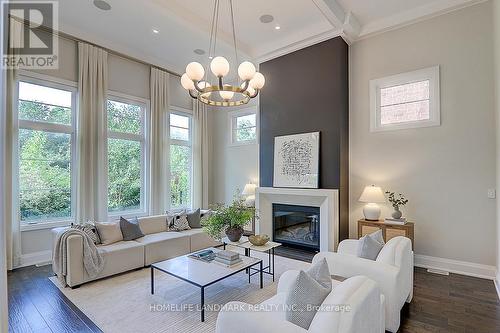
(158, 244)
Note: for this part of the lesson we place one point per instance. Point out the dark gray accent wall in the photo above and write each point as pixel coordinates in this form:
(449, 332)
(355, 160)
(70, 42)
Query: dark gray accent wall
(308, 91)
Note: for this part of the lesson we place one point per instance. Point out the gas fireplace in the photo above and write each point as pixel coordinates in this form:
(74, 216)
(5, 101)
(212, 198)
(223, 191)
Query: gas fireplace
(297, 226)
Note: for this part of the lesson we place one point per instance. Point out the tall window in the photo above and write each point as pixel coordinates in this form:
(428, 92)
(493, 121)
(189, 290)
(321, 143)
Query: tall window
(243, 126)
(405, 100)
(46, 150)
(126, 159)
(181, 160)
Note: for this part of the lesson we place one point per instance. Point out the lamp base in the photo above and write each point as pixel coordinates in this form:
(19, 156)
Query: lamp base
(371, 212)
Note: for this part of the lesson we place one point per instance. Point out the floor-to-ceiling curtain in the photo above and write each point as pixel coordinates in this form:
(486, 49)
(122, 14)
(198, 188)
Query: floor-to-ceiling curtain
(158, 139)
(91, 168)
(201, 144)
(12, 226)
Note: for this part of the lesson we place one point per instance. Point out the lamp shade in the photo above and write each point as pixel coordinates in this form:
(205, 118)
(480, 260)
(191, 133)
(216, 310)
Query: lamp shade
(249, 189)
(372, 194)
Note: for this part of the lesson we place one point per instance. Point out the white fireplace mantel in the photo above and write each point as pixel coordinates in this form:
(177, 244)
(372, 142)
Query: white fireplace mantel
(327, 200)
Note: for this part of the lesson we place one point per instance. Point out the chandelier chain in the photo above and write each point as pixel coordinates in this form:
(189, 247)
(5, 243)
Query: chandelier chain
(234, 33)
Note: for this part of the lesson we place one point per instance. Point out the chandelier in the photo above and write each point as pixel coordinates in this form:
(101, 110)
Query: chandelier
(198, 82)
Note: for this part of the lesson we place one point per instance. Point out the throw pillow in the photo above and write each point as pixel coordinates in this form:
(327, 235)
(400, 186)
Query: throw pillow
(130, 229)
(180, 223)
(204, 216)
(378, 236)
(89, 229)
(304, 298)
(321, 273)
(369, 246)
(109, 232)
(194, 219)
(172, 215)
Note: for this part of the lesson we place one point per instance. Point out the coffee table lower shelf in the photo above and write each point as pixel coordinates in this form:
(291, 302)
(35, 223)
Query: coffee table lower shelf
(203, 286)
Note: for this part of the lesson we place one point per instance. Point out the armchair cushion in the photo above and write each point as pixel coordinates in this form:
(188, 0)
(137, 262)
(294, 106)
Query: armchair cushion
(369, 246)
(307, 293)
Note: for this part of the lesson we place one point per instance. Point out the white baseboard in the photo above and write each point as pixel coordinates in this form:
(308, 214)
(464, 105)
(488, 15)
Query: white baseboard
(35, 258)
(456, 266)
(497, 284)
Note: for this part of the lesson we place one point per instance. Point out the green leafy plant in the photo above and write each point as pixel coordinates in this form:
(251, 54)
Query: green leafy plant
(235, 215)
(396, 200)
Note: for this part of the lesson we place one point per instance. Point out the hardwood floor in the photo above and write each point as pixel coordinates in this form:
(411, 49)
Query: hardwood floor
(452, 303)
(36, 305)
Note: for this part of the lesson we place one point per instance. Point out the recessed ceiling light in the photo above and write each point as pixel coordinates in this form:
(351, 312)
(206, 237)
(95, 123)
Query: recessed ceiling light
(156, 31)
(101, 4)
(199, 51)
(277, 27)
(266, 18)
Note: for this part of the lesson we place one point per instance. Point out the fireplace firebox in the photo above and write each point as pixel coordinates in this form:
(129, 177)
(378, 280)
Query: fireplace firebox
(297, 226)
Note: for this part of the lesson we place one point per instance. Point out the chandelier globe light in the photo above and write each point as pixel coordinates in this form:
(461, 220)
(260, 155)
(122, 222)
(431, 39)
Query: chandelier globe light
(198, 82)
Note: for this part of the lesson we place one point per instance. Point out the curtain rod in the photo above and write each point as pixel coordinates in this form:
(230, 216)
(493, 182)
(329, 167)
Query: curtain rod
(76, 39)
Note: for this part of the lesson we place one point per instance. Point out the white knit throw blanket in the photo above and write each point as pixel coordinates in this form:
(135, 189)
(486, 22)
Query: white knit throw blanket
(93, 261)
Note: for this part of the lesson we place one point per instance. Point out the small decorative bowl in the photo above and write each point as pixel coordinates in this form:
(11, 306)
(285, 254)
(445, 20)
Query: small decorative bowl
(258, 240)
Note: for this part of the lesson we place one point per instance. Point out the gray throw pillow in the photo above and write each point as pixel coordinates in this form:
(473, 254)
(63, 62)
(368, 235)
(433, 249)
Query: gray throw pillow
(321, 273)
(378, 236)
(194, 218)
(369, 246)
(130, 229)
(305, 296)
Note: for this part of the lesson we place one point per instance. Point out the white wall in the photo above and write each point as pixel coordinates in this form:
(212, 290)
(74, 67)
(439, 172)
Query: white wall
(232, 166)
(445, 171)
(496, 43)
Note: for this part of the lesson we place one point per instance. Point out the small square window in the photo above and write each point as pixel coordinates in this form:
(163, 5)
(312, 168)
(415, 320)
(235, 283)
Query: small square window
(407, 100)
(243, 127)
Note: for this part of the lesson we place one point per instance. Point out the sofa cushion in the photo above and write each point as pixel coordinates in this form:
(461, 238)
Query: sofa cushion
(164, 245)
(194, 218)
(130, 229)
(120, 257)
(153, 224)
(109, 232)
(199, 239)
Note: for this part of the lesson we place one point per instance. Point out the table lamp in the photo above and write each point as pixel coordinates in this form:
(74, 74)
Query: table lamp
(249, 192)
(371, 196)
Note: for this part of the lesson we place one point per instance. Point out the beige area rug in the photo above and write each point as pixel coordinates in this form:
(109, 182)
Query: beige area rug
(123, 303)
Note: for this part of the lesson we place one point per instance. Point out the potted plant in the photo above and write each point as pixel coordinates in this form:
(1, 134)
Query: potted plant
(396, 202)
(229, 220)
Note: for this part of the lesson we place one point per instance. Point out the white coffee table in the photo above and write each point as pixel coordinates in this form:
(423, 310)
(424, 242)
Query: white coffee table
(203, 274)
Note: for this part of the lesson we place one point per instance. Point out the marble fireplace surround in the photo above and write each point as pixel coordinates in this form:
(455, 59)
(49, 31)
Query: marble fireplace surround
(326, 199)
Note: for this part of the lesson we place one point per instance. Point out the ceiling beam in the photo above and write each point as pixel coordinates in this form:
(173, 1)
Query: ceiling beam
(340, 19)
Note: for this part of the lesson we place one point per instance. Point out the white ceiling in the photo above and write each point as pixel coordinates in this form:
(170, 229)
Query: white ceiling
(184, 25)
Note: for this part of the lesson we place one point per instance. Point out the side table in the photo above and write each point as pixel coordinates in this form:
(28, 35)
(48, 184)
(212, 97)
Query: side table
(268, 248)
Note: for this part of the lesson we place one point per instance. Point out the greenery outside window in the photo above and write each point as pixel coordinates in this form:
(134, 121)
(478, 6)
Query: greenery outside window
(181, 159)
(127, 167)
(243, 125)
(45, 150)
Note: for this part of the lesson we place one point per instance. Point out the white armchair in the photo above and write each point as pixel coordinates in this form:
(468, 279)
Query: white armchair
(392, 270)
(365, 315)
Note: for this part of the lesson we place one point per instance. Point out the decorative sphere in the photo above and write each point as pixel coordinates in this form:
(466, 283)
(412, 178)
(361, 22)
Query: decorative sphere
(186, 82)
(219, 66)
(250, 90)
(195, 71)
(258, 81)
(246, 70)
(226, 94)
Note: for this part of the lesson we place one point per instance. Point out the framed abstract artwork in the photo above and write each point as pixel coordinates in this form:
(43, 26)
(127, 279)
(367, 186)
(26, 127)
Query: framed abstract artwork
(296, 160)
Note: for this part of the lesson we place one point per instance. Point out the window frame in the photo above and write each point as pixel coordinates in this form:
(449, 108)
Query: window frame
(431, 74)
(55, 83)
(143, 139)
(233, 120)
(189, 114)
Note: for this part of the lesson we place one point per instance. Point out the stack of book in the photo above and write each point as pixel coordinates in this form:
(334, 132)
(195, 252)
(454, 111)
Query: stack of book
(228, 258)
(390, 220)
(205, 255)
